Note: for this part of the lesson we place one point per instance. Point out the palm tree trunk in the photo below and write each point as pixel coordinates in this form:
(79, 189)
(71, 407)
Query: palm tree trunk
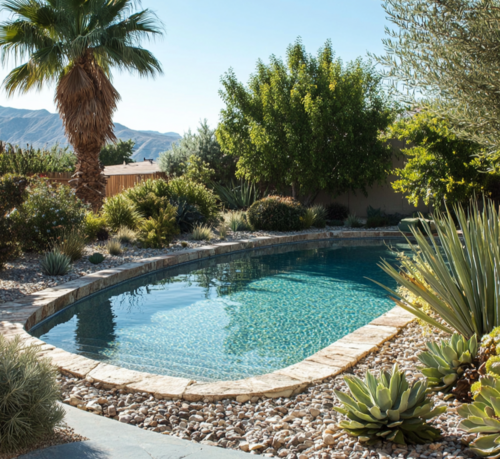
(86, 100)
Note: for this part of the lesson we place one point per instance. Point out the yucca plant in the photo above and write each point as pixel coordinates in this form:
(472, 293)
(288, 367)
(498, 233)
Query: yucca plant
(55, 263)
(28, 396)
(309, 218)
(96, 258)
(388, 408)
(202, 233)
(445, 363)
(460, 271)
(482, 417)
(237, 197)
(321, 215)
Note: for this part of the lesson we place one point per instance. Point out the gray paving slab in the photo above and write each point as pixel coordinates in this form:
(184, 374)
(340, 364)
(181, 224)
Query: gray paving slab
(109, 439)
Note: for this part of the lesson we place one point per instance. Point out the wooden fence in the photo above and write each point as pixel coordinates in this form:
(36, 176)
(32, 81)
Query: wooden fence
(116, 183)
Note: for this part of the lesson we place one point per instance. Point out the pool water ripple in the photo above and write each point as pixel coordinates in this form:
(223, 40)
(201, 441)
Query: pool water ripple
(230, 317)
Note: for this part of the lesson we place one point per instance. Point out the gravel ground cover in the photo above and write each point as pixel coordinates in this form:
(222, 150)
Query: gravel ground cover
(23, 275)
(299, 427)
(60, 436)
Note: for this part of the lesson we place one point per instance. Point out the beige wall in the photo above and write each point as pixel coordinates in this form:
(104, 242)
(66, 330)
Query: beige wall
(381, 196)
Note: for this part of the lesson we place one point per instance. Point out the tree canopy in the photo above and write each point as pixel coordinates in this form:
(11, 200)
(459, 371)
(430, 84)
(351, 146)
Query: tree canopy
(310, 123)
(439, 166)
(203, 145)
(117, 153)
(447, 51)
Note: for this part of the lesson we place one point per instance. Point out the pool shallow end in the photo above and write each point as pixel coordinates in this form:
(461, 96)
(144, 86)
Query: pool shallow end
(16, 317)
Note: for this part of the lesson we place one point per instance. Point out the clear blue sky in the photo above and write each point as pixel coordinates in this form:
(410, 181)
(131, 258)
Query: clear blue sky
(204, 39)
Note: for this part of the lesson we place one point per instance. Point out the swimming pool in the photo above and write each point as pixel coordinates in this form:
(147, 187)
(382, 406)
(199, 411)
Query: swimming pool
(230, 317)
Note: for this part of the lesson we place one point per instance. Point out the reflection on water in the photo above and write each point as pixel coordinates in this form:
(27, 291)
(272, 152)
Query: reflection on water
(233, 316)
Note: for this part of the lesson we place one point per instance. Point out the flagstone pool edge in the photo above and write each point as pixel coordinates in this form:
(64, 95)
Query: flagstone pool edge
(17, 317)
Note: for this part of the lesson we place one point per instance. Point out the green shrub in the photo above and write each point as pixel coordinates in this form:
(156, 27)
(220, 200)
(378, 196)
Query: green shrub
(71, 243)
(276, 213)
(96, 258)
(321, 215)
(459, 272)
(12, 195)
(184, 244)
(309, 218)
(152, 195)
(445, 363)
(126, 235)
(195, 194)
(198, 170)
(159, 231)
(336, 211)
(47, 211)
(188, 215)
(388, 408)
(28, 396)
(353, 222)
(202, 233)
(376, 222)
(237, 221)
(120, 211)
(93, 225)
(114, 247)
(223, 229)
(55, 263)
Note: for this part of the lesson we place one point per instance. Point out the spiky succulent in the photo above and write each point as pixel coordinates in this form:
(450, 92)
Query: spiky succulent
(483, 417)
(55, 263)
(388, 408)
(96, 258)
(446, 362)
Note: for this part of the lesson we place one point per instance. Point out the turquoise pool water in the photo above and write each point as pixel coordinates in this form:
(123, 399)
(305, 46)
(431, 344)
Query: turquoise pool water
(230, 317)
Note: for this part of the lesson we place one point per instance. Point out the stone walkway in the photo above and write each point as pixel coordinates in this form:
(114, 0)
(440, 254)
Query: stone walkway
(109, 439)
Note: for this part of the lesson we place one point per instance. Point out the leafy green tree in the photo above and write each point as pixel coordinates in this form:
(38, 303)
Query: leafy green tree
(116, 153)
(447, 50)
(204, 145)
(439, 166)
(73, 45)
(311, 123)
(198, 170)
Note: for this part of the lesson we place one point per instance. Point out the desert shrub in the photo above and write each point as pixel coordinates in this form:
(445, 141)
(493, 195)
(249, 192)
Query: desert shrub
(276, 213)
(12, 195)
(376, 222)
(126, 235)
(237, 221)
(120, 211)
(195, 194)
(309, 218)
(93, 225)
(152, 195)
(158, 231)
(28, 396)
(47, 211)
(353, 222)
(337, 211)
(222, 230)
(202, 233)
(188, 215)
(238, 197)
(321, 215)
(55, 263)
(114, 247)
(71, 243)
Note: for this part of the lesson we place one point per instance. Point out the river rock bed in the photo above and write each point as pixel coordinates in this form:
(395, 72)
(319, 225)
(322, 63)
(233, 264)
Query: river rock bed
(300, 427)
(24, 276)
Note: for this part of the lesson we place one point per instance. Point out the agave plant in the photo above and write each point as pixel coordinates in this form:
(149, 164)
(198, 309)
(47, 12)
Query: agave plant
(238, 197)
(460, 271)
(482, 417)
(446, 362)
(388, 408)
(55, 263)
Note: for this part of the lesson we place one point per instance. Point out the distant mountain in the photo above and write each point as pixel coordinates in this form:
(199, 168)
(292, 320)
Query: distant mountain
(41, 128)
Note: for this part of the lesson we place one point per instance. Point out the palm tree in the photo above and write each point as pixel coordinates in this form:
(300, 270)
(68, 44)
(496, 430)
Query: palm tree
(74, 44)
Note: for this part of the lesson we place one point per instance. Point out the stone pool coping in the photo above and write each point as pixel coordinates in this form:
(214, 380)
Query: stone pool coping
(16, 317)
